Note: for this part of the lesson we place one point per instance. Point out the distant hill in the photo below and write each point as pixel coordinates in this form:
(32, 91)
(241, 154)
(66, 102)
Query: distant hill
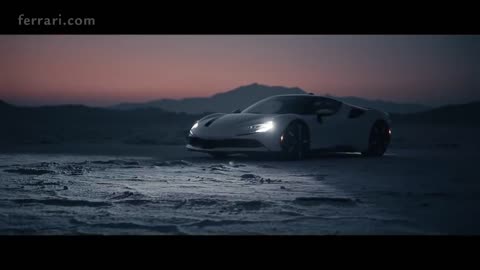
(238, 98)
(459, 114)
(242, 97)
(78, 123)
(386, 106)
(4, 104)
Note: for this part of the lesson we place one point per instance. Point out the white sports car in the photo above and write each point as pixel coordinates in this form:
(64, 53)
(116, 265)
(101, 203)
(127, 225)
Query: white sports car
(293, 125)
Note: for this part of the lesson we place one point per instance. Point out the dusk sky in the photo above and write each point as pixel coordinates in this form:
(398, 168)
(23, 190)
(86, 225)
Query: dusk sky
(108, 69)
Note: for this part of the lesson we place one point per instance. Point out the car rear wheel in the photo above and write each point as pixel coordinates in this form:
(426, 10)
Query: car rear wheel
(295, 141)
(379, 139)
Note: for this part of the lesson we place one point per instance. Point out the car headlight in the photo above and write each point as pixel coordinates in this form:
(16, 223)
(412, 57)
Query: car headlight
(264, 127)
(195, 125)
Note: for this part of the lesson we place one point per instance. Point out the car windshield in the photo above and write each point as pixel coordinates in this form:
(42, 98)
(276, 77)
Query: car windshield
(281, 105)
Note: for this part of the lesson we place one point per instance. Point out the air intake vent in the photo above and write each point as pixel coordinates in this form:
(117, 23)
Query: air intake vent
(210, 122)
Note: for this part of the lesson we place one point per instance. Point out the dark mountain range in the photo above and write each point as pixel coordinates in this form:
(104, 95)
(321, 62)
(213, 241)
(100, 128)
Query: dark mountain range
(386, 106)
(459, 114)
(241, 97)
(78, 123)
(238, 98)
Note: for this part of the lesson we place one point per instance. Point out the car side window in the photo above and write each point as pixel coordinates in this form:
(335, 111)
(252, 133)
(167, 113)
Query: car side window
(326, 103)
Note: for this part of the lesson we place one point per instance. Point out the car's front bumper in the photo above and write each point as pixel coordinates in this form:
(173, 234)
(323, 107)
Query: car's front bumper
(226, 145)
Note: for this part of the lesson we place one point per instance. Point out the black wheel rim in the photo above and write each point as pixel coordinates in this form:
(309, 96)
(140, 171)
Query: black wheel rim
(293, 141)
(379, 139)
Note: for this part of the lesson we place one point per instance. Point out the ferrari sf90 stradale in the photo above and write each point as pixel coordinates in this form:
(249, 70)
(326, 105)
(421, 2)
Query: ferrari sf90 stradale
(293, 126)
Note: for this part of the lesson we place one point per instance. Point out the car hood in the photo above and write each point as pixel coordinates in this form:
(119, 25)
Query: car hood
(228, 125)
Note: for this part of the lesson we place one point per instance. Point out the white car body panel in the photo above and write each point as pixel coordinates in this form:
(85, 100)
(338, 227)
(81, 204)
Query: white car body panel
(335, 131)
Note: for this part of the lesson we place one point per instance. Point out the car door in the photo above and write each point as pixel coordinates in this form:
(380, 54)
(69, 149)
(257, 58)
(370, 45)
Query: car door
(327, 123)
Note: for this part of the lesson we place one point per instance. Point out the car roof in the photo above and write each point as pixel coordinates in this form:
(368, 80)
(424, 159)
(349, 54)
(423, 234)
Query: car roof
(306, 95)
(328, 97)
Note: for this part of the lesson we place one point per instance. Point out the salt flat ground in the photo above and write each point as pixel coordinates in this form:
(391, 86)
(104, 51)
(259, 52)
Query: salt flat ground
(118, 189)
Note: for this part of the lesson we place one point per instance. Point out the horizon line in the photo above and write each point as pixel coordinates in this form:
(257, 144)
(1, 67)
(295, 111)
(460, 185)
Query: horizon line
(326, 94)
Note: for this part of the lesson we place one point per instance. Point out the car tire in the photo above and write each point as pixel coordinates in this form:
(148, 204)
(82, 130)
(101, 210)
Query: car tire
(378, 140)
(295, 141)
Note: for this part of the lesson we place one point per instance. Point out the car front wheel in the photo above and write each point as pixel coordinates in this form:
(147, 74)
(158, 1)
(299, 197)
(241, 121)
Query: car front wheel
(295, 141)
(379, 140)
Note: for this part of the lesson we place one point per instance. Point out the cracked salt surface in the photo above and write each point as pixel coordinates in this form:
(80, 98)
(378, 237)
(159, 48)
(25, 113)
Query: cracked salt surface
(67, 194)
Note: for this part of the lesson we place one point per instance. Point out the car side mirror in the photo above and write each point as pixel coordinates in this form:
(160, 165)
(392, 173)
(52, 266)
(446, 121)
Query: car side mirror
(237, 111)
